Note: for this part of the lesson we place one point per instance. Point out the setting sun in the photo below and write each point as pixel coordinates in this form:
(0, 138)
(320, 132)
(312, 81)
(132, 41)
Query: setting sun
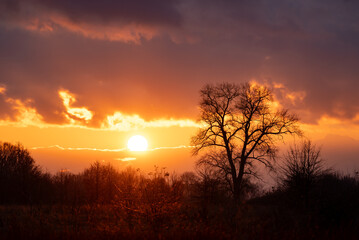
(137, 143)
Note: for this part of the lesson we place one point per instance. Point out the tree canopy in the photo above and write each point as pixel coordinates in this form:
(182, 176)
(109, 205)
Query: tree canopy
(241, 126)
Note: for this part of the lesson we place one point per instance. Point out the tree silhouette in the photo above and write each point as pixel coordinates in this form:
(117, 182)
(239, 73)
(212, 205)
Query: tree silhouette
(302, 167)
(241, 126)
(18, 172)
(100, 182)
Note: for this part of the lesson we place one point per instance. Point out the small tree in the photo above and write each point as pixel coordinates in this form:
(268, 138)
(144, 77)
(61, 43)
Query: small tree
(100, 182)
(302, 167)
(241, 127)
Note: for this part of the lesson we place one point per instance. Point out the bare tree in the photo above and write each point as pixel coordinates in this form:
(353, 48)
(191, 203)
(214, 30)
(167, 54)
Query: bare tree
(100, 182)
(240, 128)
(302, 167)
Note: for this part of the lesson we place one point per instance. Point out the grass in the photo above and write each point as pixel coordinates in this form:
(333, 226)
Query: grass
(253, 221)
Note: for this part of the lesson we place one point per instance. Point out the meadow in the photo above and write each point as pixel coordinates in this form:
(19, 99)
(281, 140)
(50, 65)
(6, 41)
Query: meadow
(107, 203)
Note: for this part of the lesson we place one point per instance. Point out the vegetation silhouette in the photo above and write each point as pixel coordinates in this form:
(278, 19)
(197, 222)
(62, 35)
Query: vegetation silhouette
(309, 201)
(240, 128)
(21, 180)
(302, 168)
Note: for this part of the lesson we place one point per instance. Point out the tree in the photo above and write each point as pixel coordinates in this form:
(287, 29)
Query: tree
(18, 172)
(240, 128)
(100, 182)
(302, 167)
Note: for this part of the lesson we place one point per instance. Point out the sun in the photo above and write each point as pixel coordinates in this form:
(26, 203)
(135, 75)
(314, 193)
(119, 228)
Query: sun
(137, 143)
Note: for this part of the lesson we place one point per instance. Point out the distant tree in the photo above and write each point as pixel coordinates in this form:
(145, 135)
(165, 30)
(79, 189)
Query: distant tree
(153, 199)
(240, 128)
(128, 194)
(189, 180)
(69, 188)
(160, 199)
(18, 172)
(100, 182)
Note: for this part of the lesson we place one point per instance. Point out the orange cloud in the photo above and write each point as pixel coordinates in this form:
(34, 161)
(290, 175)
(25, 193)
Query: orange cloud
(294, 97)
(282, 93)
(330, 125)
(106, 149)
(74, 113)
(25, 114)
(81, 149)
(126, 159)
(123, 122)
(80, 116)
(2, 90)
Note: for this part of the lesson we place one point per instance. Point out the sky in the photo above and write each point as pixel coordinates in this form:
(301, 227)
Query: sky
(79, 78)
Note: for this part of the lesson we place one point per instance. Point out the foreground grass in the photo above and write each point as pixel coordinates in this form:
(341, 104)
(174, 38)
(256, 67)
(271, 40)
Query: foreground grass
(252, 221)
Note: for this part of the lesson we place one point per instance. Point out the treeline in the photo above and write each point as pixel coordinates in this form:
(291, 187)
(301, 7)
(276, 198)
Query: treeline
(309, 202)
(23, 182)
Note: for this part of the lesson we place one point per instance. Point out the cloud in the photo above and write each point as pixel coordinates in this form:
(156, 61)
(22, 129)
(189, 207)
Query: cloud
(73, 113)
(175, 147)
(21, 113)
(123, 122)
(80, 149)
(310, 47)
(26, 115)
(286, 95)
(124, 20)
(126, 159)
(17, 112)
(2, 89)
(283, 96)
(328, 125)
(7, 112)
(105, 149)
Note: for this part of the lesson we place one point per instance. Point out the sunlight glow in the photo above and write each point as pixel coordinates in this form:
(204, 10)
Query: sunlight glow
(81, 113)
(2, 90)
(124, 122)
(137, 143)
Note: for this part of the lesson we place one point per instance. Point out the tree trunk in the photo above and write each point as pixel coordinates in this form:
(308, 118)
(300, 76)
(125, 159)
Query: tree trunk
(237, 190)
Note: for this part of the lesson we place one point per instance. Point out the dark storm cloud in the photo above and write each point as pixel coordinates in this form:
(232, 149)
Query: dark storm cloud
(127, 21)
(103, 11)
(309, 46)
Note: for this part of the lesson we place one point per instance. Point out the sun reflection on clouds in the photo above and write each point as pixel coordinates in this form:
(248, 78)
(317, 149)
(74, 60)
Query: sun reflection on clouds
(2, 89)
(81, 117)
(122, 122)
(26, 115)
(331, 125)
(294, 97)
(126, 159)
(106, 149)
(80, 113)
(282, 94)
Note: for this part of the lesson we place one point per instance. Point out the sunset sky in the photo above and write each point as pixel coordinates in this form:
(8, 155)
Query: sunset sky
(79, 78)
